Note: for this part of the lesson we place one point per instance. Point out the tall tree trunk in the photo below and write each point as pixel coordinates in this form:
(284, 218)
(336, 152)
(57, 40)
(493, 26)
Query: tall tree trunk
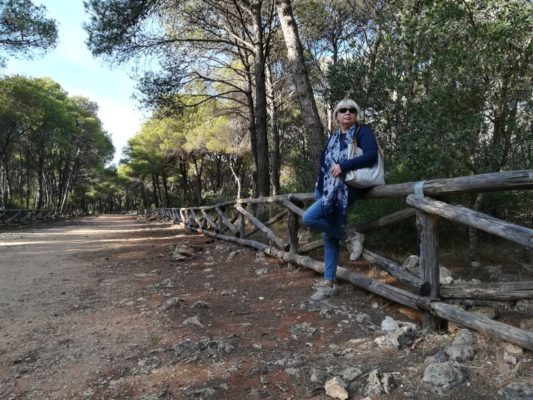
(300, 78)
(274, 129)
(198, 169)
(184, 178)
(154, 188)
(165, 187)
(263, 175)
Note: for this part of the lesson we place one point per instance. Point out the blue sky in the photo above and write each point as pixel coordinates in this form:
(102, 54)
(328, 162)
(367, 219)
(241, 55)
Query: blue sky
(74, 68)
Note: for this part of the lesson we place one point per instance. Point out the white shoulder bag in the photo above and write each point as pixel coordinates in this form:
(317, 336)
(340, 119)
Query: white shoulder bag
(365, 177)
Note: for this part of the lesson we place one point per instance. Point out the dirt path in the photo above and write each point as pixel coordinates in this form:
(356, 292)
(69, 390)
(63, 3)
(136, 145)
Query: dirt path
(98, 309)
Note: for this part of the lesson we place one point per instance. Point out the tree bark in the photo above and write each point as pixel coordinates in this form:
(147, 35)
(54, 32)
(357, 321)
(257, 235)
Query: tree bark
(300, 77)
(263, 175)
(274, 128)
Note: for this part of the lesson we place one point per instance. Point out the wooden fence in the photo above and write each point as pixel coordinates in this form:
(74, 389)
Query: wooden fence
(424, 291)
(13, 217)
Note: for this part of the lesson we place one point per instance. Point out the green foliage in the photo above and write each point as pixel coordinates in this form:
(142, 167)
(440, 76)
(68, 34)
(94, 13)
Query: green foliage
(450, 88)
(24, 28)
(50, 143)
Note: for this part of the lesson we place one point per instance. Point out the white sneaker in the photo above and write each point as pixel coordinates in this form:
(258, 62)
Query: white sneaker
(354, 243)
(323, 292)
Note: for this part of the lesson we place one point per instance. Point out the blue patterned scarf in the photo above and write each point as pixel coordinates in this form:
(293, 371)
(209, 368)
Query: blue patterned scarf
(335, 192)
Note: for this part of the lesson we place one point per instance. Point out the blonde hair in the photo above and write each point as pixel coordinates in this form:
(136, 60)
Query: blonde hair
(347, 103)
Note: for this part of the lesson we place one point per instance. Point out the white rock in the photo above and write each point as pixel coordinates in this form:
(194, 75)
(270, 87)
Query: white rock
(475, 264)
(512, 349)
(461, 352)
(398, 338)
(261, 271)
(509, 359)
(193, 321)
(389, 324)
(445, 375)
(336, 388)
(378, 383)
(351, 373)
(445, 276)
(411, 264)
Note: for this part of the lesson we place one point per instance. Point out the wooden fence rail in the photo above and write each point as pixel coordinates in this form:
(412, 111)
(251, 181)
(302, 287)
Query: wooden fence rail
(423, 292)
(14, 217)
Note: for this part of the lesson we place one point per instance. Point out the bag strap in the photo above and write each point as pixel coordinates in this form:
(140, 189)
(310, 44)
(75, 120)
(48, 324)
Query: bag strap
(356, 141)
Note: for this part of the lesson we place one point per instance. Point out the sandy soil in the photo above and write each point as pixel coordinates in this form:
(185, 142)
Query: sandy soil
(95, 309)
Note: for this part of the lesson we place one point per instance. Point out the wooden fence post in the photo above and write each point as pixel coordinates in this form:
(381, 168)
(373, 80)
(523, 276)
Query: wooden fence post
(293, 231)
(429, 261)
(294, 224)
(220, 223)
(242, 224)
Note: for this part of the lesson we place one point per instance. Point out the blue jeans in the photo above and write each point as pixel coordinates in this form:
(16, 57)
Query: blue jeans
(333, 231)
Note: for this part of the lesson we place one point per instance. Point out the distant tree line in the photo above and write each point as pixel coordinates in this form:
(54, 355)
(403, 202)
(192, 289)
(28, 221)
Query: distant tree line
(53, 149)
(52, 146)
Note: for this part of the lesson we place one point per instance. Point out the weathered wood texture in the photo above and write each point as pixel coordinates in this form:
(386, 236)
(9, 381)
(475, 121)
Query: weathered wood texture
(414, 282)
(489, 291)
(429, 260)
(483, 324)
(387, 220)
(475, 219)
(492, 182)
(271, 221)
(293, 225)
(269, 234)
(14, 217)
(306, 248)
(208, 219)
(293, 207)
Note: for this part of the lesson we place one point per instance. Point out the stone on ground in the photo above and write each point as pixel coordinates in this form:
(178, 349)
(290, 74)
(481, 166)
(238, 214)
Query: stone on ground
(517, 391)
(200, 304)
(512, 349)
(444, 375)
(398, 338)
(173, 302)
(183, 250)
(336, 388)
(445, 276)
(411, 264)
(351, 373)
(194, 321)
(378, 383)
(389, 324)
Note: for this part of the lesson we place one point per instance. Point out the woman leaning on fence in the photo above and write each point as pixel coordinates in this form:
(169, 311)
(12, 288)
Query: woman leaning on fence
(328, 213)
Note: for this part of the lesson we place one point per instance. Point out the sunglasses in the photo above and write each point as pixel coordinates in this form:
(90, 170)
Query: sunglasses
(352, 110)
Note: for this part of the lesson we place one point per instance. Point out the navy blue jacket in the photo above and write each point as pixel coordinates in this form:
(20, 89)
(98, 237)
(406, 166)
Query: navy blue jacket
(367, 142)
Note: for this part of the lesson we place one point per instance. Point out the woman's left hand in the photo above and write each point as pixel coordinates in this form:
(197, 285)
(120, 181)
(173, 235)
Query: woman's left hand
(336, 170)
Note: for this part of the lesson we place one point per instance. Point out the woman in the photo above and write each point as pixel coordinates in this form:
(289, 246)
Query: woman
(328, 213)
